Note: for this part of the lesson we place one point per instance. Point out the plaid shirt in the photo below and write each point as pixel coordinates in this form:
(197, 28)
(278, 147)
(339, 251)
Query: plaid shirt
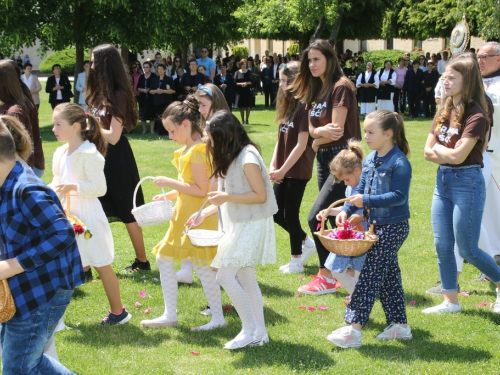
(35, 230)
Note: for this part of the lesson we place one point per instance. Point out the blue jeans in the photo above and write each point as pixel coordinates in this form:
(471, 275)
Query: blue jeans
(23, 340)
(456, 214)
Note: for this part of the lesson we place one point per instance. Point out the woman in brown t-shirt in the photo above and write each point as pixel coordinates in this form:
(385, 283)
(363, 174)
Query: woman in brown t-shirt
(111, 101)
(291, 168)
(333, 120)
(456, 142)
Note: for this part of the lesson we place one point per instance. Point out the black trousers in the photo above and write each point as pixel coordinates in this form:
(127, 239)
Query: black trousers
(267, 95)
(429, 103)
(413, 103)
(289, 194)
(329, 192)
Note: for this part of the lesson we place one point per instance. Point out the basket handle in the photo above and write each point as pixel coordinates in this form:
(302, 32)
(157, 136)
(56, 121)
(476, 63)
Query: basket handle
(323, 219)
(199, 213)
(68, 202)
(137, 188)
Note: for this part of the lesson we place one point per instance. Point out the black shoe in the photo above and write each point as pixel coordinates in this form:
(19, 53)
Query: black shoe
(88, 276)
(137, 265)
(111, 318)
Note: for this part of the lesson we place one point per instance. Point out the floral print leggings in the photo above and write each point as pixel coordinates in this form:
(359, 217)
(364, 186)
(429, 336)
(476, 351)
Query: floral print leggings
(381, 277)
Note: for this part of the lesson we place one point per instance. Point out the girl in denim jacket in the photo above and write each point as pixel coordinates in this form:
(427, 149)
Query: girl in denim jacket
(383, 193)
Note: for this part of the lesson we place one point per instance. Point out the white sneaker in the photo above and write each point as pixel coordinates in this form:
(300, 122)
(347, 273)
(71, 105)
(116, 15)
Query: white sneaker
(395, 331)
(345, 337)
(496, 307)
(308, 249)
(444, 308)
(292, 267)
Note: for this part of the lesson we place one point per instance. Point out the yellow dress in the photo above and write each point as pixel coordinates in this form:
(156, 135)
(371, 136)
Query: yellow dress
(176, 245)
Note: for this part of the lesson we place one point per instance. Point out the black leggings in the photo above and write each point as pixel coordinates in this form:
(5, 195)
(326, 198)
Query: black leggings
(289, 195)
(329, 193)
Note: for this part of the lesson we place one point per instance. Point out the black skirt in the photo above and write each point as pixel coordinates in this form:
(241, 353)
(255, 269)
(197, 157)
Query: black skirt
(122, 176)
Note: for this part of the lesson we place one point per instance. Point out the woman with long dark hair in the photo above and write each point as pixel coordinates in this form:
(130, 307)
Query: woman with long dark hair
(333, 116)
(111, 101)
(17, 101)
(291, 168)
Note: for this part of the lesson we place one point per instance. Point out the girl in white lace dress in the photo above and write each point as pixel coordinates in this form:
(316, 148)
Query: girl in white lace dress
(247, 204)
(78, 169)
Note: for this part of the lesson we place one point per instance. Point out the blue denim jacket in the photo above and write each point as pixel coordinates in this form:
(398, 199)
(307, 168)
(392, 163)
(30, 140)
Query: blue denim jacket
(387, 200)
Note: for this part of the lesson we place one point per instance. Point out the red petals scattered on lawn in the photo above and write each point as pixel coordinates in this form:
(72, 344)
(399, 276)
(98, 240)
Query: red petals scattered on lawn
(484, 303)
(299, 294)
(302, 307)
(227, 307)
(463, 294)
(137, 304)
(142, 293)
(345, 303)
(147, 310)
(311, 308)
(412, 302)
(322, 308)
(194, 353)
(347, 297)
(301, 277)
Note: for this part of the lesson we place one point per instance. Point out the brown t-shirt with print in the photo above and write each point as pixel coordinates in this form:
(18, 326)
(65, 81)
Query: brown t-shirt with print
(104, 116)
(321, 112)
(474, 125)
(288, 136)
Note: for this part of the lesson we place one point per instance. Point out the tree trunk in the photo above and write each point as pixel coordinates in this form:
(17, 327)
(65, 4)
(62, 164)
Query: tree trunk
(184, 49)
(79, 32)
(319, 29)
(335, 29)
(303, 42)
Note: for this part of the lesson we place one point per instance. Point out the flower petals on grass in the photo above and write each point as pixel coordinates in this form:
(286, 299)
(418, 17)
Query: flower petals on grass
(147, 310)
(464, 294)
(412, 302)
(142, 293)
(194, 352)
(137, 304)
(311, 308)
(322, 308)
(302, 307)
(227, 307)
(299, 294)
(484, 303)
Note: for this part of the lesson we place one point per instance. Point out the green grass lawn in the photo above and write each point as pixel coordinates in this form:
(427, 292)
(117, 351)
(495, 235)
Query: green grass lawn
(466, 342)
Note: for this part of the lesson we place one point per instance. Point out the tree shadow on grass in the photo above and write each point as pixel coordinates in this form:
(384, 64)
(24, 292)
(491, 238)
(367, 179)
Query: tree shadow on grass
(485, 313)
(298, 357)
(269, 290)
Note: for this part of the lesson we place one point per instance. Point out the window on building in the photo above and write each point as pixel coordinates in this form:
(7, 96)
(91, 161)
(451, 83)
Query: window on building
(364, 45)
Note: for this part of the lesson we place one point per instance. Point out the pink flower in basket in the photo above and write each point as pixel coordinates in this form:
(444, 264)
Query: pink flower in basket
(348, 233)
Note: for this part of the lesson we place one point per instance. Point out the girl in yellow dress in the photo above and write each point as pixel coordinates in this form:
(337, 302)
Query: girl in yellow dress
(182, 121)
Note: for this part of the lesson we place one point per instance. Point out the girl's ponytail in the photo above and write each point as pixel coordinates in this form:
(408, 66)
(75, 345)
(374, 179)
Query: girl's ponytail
(90, 129)
(92, 133)
(347, 160)
(388, 120)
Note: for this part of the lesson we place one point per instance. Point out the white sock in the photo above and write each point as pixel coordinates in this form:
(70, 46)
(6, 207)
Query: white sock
(347, 281)
(212, 292)
(169, 289)
(226, 276)
(308, 242)
(248, 280)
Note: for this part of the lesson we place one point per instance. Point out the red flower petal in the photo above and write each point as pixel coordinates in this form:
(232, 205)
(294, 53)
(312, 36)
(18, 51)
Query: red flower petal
(194, 353)
(412, 302)
(299, 294)
(464, 294)
(311, 308)
(345, 303)
(227, 307)
(322, 308)
(302, 307)
(484, 303)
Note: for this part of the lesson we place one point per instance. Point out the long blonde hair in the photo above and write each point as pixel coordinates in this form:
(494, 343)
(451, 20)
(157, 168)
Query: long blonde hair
(348, 159)
(472, 91)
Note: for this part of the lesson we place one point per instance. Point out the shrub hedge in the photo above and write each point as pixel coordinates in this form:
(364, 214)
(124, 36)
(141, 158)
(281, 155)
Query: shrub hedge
(240, 51)
(66, 58)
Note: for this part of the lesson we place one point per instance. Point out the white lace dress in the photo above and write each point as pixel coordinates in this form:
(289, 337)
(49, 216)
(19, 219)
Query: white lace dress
(97, 251)
(246, 244)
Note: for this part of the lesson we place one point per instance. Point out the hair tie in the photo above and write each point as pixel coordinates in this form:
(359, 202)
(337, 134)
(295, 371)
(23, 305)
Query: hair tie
(190, 105)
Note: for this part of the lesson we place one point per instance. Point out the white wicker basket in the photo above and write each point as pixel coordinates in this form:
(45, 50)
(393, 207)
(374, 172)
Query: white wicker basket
(205, 237)
(153, 213)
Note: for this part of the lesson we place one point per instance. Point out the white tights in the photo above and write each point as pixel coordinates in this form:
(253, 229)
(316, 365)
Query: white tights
(241, 286)
(169, 289)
